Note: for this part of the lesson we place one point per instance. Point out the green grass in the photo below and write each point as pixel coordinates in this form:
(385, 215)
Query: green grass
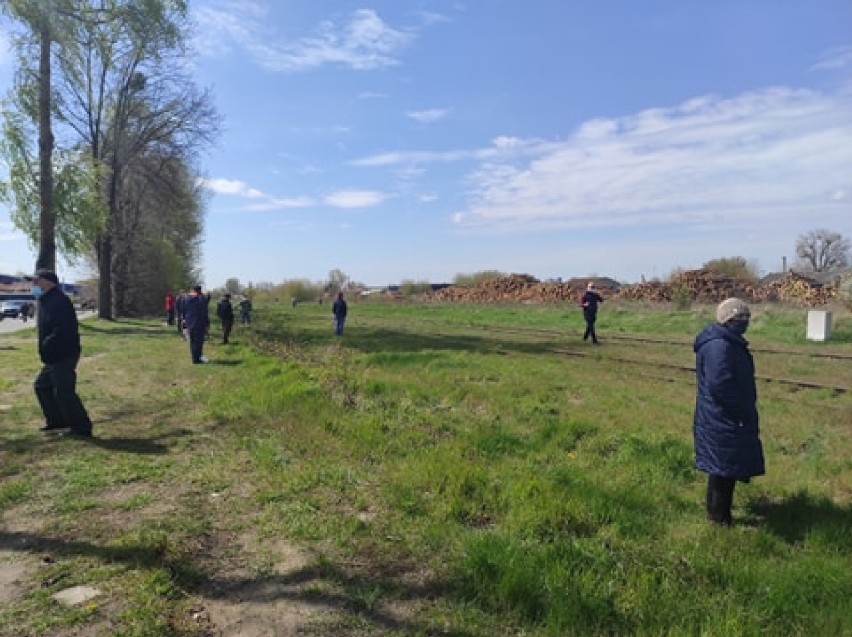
(465, 470)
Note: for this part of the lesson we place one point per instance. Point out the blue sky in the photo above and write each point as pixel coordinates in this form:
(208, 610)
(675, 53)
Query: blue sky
(421, 139)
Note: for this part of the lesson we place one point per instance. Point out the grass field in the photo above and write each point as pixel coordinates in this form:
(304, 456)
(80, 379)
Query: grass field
(437, 470)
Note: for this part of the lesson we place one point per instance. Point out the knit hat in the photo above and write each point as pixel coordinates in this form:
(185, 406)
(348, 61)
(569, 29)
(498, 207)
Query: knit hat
(732, 309)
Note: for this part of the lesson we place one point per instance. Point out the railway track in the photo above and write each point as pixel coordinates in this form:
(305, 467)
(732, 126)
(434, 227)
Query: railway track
(802, 384)
(837, 389)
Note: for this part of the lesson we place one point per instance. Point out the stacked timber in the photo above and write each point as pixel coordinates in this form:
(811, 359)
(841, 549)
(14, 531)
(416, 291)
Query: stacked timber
(701, 286)
(654, 291)
(511, 289)
(797, 288)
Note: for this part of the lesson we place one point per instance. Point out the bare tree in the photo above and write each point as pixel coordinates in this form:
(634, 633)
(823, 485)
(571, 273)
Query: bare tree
(823, 250)
(337, 280)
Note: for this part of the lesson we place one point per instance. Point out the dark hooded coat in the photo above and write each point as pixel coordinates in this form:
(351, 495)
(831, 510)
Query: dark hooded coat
(726, 429)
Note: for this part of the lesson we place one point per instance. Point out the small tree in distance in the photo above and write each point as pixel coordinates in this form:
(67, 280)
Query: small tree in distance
(232, 286)
(822, 250)
(470, 280)
(734, 267)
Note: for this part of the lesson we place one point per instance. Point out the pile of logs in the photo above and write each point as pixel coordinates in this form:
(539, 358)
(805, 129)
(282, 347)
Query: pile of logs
(701, 286)
(800, 289)
(512, 288)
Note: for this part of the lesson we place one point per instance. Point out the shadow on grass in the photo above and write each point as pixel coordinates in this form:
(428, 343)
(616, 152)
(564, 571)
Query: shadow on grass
(324, 587)
(371, 341)
(130, 445)
(798, 516)
(227, 362)
(128, 330)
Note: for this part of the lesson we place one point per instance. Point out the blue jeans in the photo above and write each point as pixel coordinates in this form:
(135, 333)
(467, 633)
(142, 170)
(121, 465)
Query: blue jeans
(338, 325)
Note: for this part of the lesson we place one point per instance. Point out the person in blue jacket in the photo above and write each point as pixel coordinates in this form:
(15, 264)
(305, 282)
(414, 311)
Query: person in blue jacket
(196, 314)
(726, 429)
(589, 302)
(339, 310)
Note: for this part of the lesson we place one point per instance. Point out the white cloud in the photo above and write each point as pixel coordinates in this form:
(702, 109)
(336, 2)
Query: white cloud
(236, 188)
(231, 187)
(273, 203)
(355, 198)
(765, 155)
(429, 115)
(501, 146)
(363, 42)
(836, 58)
(430, 17)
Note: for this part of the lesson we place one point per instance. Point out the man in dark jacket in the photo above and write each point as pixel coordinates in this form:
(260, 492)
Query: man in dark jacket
(339, 310)
(59, 350)
(225, 312)
(589, 302)
(726, 430)
(196, 315)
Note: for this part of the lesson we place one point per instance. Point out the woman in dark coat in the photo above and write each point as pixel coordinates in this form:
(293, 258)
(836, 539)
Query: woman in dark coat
(727, 434)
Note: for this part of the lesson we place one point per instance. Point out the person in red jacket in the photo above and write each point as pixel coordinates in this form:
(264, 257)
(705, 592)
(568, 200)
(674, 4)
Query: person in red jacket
(170, 308)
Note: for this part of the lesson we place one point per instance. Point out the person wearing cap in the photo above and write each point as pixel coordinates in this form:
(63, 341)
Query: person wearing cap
(196, 315)
(589, 302)
(725, 427)
(59, 350)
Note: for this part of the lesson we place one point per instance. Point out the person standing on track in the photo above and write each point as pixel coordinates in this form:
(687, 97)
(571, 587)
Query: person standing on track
(589, 302)
(725, 426)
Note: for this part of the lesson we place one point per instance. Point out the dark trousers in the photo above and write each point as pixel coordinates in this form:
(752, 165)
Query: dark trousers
(227, 326)
(56, 390)
(720, 497)
(590, 326)
(170, 317)
(196, 343)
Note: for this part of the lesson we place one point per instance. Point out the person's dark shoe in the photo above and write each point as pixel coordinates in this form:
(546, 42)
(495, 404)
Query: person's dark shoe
(76, 433)
(50, 428)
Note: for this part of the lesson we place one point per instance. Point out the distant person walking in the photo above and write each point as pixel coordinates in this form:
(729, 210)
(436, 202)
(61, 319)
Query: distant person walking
(180, 301)
(196, 315)
(59, 350)
(725, 428)
(245, 311)
(225, 312)
(338, 311)
(169, 303)
(589, 302)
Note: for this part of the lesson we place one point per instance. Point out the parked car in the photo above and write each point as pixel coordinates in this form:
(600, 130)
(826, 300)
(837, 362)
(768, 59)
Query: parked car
(17, 308)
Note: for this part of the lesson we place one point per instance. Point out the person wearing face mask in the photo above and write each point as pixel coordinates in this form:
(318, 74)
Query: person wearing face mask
(59, 350)
(725, 426)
